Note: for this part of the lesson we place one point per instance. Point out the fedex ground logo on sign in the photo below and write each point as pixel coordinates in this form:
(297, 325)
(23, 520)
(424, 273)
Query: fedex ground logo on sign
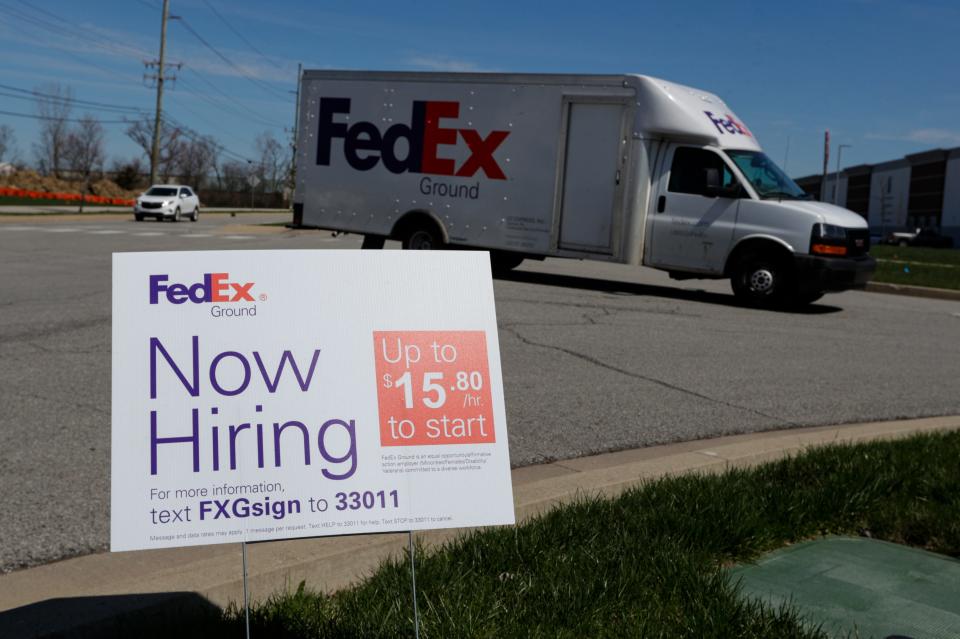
(365, 145)
(213, 288)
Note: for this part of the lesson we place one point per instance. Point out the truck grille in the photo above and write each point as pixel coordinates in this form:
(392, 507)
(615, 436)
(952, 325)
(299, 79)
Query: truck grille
(858, 242)
(150, 205)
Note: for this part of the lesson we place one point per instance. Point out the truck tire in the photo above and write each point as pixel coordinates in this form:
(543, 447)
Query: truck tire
(138, 217)
(802, 298)
(422, 238)
(504, 261)
(763, 280)
(176, 215)
(195, 215)
(373, 242)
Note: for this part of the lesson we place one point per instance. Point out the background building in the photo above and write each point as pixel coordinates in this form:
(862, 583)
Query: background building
(919, 191)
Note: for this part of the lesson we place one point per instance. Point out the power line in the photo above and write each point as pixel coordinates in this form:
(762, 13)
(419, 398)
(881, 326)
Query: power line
(230, 62)
(66, 100)
(231, 104)
(68, 29)
(238, 34)
(74, 56)
(33, 116)
(195, 136)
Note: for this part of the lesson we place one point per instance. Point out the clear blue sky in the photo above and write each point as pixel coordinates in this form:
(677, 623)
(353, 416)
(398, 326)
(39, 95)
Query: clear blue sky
(882, 75)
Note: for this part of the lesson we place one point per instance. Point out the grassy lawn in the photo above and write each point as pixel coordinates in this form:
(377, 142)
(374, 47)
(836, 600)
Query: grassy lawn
(918, 266)
(650, 563)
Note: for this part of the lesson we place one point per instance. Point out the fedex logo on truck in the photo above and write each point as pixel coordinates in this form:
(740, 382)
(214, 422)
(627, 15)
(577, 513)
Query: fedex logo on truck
(728, 125)
(365, 145)
(214, 287)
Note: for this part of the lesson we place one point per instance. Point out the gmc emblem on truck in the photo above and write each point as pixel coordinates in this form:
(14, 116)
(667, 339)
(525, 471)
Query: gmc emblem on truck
(364, 145)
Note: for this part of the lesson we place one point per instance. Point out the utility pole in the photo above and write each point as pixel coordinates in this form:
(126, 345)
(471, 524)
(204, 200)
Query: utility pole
(296, 114)
(155, 148)
(826, 165)
(292, 173)
(836, 183)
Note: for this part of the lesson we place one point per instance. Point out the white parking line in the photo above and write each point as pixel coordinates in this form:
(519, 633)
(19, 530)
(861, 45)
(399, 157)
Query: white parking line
(193, 235)
(149, 233)
(237, 237)
(19, 228)
(60, 229)
(106, 232)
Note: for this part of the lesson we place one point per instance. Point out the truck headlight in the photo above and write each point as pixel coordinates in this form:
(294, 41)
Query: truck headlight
(831, 232)
(828, 239)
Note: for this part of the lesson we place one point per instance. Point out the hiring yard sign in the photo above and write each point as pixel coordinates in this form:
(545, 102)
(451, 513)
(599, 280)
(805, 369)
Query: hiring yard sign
(265, 395)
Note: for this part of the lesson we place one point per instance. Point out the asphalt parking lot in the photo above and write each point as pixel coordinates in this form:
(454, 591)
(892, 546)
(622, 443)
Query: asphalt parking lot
(596, 357)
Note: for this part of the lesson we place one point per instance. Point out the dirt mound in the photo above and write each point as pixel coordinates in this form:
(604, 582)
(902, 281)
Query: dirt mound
(30, 180)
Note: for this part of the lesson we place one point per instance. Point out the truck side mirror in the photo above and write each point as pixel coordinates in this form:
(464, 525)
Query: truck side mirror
(712, 181)
(713, 188)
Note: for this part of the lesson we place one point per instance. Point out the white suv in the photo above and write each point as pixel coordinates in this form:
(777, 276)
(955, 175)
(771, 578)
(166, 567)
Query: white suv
(171, 201)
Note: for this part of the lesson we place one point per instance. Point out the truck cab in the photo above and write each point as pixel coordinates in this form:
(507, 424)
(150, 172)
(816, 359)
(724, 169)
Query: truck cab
(721, 208)
(732, 213)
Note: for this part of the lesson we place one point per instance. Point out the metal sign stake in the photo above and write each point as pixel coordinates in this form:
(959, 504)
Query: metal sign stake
(246, 599)
(413, 582)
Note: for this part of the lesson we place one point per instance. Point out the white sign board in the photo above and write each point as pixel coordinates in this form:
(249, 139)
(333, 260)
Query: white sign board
(274, 394)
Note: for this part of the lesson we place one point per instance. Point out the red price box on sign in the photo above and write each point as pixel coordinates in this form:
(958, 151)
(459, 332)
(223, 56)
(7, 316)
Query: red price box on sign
(433, 388)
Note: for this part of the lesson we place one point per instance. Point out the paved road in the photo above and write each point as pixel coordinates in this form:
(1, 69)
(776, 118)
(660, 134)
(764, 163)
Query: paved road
(596, 357)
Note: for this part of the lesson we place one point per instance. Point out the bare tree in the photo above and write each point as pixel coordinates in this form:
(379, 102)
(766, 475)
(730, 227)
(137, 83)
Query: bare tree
(171, 143)
(54, 103)
(235, 176)
(274, 162)
(83, 151)
(83, 148)
(8, 143)
(196, 159)
(128, 174)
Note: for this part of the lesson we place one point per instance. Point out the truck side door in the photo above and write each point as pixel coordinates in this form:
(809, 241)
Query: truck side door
(694, 219)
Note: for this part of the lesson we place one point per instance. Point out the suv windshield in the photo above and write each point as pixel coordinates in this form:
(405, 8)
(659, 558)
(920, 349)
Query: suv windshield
(766, 177)
(161, 191)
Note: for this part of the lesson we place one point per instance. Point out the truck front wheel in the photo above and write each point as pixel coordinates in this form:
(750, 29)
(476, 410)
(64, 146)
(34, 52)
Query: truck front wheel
(762, 279)
(422, 239)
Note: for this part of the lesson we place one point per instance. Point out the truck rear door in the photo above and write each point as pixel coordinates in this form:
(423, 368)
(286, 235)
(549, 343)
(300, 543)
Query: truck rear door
(692, 223)
(591, 174)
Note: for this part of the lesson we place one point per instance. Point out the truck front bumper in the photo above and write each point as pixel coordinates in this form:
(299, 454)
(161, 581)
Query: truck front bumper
(835, 273)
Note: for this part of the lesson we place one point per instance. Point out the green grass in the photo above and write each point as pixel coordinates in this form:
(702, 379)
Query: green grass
(917, 266)
(650, 563)
(916, 254)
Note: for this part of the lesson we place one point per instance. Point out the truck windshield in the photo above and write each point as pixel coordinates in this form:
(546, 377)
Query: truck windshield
(766, 177)
(162, 191)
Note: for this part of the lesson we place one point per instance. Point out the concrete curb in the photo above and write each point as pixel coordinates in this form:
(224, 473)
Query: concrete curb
(53, 595)
(914, 291)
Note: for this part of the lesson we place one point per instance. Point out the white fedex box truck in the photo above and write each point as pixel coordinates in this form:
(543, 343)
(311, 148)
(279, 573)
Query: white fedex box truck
(622, 168)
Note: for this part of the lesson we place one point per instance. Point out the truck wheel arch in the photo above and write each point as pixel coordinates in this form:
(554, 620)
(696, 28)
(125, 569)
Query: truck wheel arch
(418, 219)
(757, 246)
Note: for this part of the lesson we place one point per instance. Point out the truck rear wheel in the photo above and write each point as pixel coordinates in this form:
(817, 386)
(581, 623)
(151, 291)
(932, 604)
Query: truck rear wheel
(762, 279)
(422, 239)
(373, 242)
(503, 261)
